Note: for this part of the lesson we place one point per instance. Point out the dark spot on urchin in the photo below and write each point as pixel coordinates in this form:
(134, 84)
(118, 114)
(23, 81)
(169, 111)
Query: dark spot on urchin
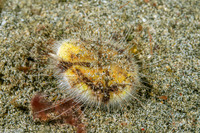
(113, 88)
(85, 64)
(106, 96)
(64, 65)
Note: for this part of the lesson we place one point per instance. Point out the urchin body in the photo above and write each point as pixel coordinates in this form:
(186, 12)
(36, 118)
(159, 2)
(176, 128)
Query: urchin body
(96, 74)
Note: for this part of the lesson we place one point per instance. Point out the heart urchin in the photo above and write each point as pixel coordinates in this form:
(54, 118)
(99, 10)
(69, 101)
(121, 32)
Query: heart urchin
(103, 74)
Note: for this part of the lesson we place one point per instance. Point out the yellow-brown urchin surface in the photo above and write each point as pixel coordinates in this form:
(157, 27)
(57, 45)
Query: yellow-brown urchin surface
(103, 74)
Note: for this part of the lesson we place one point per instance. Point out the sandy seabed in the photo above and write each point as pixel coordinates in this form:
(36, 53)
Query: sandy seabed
(165, 32)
